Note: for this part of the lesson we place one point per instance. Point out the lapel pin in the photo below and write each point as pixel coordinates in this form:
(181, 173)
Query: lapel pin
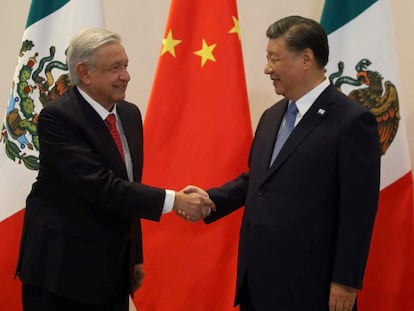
(321, 111)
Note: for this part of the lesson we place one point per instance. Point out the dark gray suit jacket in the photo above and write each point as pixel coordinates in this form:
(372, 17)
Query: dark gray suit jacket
(308, 219)
(82, 231)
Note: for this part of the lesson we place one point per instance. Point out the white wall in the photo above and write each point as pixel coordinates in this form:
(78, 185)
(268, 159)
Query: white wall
(141, 24)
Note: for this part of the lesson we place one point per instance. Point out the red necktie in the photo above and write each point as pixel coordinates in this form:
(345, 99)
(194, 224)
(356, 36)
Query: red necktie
(111, 121)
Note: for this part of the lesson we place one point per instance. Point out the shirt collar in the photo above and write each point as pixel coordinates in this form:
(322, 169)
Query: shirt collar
(306, 101)
(100, 110)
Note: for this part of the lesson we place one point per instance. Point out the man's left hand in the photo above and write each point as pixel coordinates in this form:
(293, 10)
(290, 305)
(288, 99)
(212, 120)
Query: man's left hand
(138, 277)
(341, 297)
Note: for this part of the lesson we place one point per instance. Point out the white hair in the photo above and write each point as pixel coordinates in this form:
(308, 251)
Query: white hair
(83, 46)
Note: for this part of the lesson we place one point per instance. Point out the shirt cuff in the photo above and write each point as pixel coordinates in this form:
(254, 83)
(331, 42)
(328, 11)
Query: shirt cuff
(168, 201)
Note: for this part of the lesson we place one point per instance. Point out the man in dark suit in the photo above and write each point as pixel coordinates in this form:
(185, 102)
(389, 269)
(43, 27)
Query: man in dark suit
(81, 246)
(310, 208)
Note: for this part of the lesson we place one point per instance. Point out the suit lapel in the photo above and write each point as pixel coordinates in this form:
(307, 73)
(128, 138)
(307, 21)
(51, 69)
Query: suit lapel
(316, 113)
(99, 132)
(130, 127)
(269, 133)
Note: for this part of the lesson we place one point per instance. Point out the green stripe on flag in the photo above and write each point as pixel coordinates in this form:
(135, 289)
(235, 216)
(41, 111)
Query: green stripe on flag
(42, 8)
(337, 13)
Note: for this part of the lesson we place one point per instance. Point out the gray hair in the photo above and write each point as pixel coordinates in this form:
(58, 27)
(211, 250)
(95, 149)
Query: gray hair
(83, 46)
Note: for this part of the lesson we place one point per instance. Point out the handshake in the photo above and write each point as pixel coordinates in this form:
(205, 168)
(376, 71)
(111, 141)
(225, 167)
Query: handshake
(193, 204)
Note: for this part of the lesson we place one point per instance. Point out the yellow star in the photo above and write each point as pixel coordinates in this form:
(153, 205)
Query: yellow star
(169, 43)
(236, 28)
(206, 52)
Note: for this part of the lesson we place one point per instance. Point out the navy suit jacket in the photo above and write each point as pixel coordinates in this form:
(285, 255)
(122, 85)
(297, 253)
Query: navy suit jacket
(308, 219)
(82, 231)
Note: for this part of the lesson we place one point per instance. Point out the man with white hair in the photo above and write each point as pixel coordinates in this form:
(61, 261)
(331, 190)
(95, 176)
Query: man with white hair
(81, 246)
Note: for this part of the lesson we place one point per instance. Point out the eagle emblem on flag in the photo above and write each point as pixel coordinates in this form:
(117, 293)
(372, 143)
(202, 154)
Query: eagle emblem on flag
(380, 98)
(33, 87)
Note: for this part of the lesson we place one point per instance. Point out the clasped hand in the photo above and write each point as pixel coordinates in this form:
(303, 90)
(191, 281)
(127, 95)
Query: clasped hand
(193, 203)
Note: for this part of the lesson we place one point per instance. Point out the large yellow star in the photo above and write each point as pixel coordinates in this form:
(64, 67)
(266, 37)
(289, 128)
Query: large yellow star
(236, 27)
(206, 52)
(169, 43)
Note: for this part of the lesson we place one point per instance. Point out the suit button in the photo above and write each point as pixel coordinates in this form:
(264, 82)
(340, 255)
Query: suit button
(260, 193)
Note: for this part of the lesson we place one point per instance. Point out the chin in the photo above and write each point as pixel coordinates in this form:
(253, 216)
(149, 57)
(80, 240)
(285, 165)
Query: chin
(119, 97)
(278, 92)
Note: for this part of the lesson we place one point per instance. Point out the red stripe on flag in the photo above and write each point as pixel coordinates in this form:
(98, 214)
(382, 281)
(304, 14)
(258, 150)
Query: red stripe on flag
(389, 278)
(10, 288)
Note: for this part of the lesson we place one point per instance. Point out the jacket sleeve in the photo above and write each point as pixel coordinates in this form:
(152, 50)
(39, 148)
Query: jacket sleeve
(359, 176)
(228, 197)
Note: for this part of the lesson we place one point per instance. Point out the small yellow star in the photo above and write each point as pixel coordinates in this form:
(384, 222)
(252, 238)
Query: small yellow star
(169, 43)
(206, 52)
(236, 27)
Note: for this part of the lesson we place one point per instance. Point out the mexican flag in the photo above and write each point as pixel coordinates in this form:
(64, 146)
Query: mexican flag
(40, 76)
(197, 131)
(363, 64)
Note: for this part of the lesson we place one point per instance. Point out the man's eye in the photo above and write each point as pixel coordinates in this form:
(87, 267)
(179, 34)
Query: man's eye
(272, 59)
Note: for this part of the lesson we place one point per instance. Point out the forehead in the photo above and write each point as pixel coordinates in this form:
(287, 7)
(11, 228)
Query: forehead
(276, 46)
(111, 52)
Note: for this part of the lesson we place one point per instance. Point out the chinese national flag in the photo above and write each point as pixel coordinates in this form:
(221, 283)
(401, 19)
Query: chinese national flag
(197, 131)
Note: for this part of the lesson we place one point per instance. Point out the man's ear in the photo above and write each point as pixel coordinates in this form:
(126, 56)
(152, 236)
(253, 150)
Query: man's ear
(83, 73)
(308, 58)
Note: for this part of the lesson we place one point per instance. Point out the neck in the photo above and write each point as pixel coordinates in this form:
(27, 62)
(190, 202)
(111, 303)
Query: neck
(309, 84)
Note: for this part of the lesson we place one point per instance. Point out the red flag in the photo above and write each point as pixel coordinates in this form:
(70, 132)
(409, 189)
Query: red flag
(197, 131)
(388, 283)
(10, 231)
